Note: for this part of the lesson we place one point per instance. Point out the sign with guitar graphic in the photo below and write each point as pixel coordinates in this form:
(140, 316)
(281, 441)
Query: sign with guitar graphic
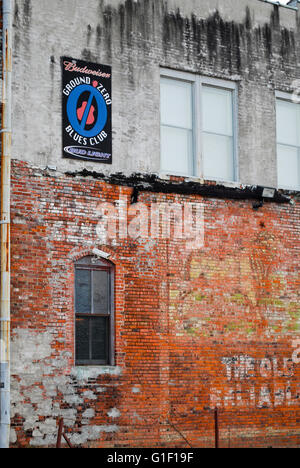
(87, 101)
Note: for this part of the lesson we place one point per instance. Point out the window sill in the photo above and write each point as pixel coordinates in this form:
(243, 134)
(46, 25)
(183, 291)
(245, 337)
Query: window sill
(289, 189)
(200, 180)
(91, 372)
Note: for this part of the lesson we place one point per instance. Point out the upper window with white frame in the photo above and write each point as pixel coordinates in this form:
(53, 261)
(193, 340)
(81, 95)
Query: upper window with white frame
(198, 126)
(288, 142)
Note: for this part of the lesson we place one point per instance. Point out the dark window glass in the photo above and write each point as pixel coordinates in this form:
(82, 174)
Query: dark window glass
(83, 291)
(99, 338)
(100, 292)
(94, 311)
(82, 338)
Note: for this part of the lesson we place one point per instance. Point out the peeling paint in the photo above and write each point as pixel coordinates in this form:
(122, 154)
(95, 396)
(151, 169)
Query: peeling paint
(39, 382)
(114, 413)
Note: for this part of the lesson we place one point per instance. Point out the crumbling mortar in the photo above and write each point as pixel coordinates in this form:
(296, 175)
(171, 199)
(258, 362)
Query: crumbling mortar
(41, 392)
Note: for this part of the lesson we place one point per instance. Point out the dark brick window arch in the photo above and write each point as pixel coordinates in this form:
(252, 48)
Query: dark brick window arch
(94, 311)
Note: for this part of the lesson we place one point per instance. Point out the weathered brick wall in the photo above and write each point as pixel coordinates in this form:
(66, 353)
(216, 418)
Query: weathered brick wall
(194, 329)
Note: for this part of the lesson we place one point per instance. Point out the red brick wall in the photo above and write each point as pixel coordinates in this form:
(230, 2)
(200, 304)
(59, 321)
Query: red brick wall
(194, 330)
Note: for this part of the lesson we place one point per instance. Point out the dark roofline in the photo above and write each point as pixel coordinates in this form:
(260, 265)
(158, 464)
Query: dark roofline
(153, 183)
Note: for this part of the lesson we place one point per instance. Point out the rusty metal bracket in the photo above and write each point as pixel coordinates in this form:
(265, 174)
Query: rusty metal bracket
(217, 440)
(62, 434)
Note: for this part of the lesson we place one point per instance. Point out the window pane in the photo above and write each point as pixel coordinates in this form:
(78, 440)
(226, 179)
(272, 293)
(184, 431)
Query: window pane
(100, 292)
(218, 157)
(288, 167)
(177, 150)
(217, 110)
(288, 121)
(82, 339)
(176, 103)
(99, 338)
(83, 291)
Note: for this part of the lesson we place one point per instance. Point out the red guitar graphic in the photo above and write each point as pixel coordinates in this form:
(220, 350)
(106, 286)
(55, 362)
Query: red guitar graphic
(80, 112)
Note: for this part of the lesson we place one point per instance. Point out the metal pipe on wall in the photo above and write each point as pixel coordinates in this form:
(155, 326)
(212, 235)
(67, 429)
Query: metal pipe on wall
(5, 225)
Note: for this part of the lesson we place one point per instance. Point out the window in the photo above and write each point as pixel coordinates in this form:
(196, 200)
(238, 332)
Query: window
(177, 126)
(288, 142)
(198, 126)
(94, 311)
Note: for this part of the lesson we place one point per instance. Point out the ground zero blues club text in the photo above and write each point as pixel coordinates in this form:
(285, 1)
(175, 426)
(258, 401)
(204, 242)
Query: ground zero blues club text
(87, 101)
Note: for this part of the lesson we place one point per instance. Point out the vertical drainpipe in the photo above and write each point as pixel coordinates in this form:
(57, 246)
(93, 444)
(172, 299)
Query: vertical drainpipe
(5, 227)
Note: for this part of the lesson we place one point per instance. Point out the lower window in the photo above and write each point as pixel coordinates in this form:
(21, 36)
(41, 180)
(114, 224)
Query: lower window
(94, 316)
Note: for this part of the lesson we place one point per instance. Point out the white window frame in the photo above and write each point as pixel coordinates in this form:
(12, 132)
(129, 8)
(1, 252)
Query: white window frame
(283, 96)
(197, 82)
